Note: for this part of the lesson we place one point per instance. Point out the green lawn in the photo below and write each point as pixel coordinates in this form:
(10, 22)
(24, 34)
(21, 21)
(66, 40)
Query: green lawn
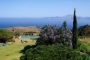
(12, 52)
(86, 43)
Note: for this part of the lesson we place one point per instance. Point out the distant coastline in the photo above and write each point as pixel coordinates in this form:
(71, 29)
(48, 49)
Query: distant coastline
(39, 22)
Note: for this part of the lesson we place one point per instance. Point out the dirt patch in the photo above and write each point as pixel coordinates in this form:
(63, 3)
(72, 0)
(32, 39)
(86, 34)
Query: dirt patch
(87, 40)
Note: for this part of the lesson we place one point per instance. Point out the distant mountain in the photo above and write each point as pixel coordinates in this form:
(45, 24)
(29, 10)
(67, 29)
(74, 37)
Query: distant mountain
(67, 16)
(69, 19)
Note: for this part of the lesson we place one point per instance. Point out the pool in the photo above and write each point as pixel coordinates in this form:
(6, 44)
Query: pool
(29, 37)
(3, 44)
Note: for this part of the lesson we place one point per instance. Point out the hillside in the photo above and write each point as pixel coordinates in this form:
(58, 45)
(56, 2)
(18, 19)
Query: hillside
(22, 29)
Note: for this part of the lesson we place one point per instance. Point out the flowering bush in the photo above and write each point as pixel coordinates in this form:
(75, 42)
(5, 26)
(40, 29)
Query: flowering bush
(52, 34)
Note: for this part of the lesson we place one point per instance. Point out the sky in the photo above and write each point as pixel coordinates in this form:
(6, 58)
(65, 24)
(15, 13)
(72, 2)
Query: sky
(43, 8)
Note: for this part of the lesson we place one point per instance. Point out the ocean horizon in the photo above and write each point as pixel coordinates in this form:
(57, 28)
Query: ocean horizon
(58, 21)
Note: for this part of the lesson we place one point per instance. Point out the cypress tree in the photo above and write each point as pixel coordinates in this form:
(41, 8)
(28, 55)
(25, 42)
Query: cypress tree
(75, 31)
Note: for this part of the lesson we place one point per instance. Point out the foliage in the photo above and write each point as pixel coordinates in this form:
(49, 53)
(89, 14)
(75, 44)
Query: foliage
(64, 24)
(52, 34)
(53, 52)
(27, 47)
(82, 47)
(75, 31)
(84, 30)
(17, 34)
(5, 35)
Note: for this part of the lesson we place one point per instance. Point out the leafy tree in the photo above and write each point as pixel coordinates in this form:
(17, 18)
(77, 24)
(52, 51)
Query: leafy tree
(84, 30)
(64, 24)
(5, 35)
(75, 31)
(17, 34)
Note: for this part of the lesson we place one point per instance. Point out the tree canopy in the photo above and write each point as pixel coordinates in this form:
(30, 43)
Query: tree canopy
(84, 30)
(5, 35)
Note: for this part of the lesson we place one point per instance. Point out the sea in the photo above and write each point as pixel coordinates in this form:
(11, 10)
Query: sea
(40, 22)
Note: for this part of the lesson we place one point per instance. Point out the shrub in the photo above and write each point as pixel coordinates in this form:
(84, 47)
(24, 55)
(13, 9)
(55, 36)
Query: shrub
(84, 30)
(27, 47)
(53, 52)
(55, 35)
(17, 34)
(5, 35)
(83, 47)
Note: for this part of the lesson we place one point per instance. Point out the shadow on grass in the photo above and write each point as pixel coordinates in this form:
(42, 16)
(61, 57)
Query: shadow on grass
(88, 53)
(26, 48)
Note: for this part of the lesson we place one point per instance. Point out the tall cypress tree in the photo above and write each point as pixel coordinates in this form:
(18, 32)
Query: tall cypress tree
(75, 31)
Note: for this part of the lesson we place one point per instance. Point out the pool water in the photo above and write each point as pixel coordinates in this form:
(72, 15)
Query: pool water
(3, 44)
(29, 37)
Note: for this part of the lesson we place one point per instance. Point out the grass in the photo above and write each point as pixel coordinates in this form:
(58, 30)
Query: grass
(12, 52)
(86, 43)
(87, 40)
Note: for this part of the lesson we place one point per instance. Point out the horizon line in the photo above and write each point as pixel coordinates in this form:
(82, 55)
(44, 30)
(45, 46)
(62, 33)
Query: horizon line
(47, 16)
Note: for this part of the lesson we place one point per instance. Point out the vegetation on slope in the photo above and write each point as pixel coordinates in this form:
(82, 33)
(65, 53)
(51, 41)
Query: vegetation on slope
(5, 35)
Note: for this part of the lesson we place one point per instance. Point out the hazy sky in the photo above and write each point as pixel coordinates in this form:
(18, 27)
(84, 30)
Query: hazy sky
(43, 8)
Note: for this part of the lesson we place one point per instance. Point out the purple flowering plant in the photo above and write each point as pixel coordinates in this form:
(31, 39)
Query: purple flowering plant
(52, 34)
